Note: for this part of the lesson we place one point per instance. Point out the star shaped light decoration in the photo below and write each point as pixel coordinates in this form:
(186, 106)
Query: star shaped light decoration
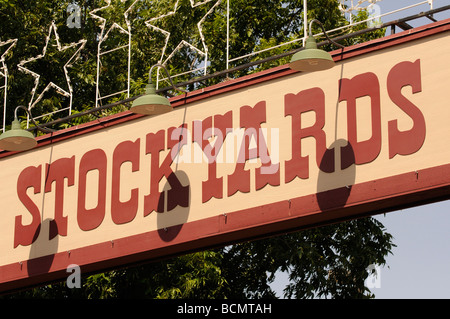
(106, 26)
(183, 43)
(9, 44)
(68, 92)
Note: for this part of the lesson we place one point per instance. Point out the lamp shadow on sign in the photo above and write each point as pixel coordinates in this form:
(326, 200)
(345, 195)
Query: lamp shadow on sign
(173, 207)
(334, 188)
(43, 249)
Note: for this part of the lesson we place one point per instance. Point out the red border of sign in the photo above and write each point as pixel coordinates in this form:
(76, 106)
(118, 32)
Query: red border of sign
(369, 198)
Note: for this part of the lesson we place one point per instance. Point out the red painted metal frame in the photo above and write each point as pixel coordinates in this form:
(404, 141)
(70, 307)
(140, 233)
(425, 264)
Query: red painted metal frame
(369, 198)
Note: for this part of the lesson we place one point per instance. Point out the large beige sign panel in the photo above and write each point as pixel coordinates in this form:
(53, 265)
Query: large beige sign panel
(285, 152)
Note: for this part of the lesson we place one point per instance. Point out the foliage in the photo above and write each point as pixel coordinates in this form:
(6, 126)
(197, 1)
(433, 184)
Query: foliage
(326, 262)
(329, 261)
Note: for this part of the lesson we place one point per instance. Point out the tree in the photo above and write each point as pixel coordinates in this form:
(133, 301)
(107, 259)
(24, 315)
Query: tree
(329, 261)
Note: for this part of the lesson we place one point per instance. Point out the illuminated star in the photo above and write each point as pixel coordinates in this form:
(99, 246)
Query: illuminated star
(9, 44)
(68, 93)
(109, 25)
(150, 23)
(4, 73)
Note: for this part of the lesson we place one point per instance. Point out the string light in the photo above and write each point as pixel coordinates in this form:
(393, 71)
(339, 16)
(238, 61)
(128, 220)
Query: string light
(183, 43)
(104, 36)
(4, 73)
(79, 45)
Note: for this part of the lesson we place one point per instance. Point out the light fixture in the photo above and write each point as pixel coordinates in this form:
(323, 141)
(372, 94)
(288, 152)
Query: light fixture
(18, 139)
(151, 103)
(311, 58)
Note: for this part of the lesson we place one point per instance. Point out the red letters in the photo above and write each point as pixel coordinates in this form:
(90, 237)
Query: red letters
(27, 234)
(124, 212)
(178, 194)
(365, 151)
(305, 101)
(202, 132)
(89, 219)
(407, 142)
(57, 172)
(251, 119)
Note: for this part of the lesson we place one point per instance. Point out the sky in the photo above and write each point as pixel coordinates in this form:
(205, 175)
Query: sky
(419, 266)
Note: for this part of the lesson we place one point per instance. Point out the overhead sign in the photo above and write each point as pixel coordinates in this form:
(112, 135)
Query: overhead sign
(264, 154)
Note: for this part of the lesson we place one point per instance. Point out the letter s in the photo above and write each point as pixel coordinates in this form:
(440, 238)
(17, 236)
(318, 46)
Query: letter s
(27, 234)
(406, 142)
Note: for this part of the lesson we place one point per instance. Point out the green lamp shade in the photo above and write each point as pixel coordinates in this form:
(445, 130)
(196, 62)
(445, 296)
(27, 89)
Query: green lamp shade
(151, 103)
(17, 139)
(311, 58)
